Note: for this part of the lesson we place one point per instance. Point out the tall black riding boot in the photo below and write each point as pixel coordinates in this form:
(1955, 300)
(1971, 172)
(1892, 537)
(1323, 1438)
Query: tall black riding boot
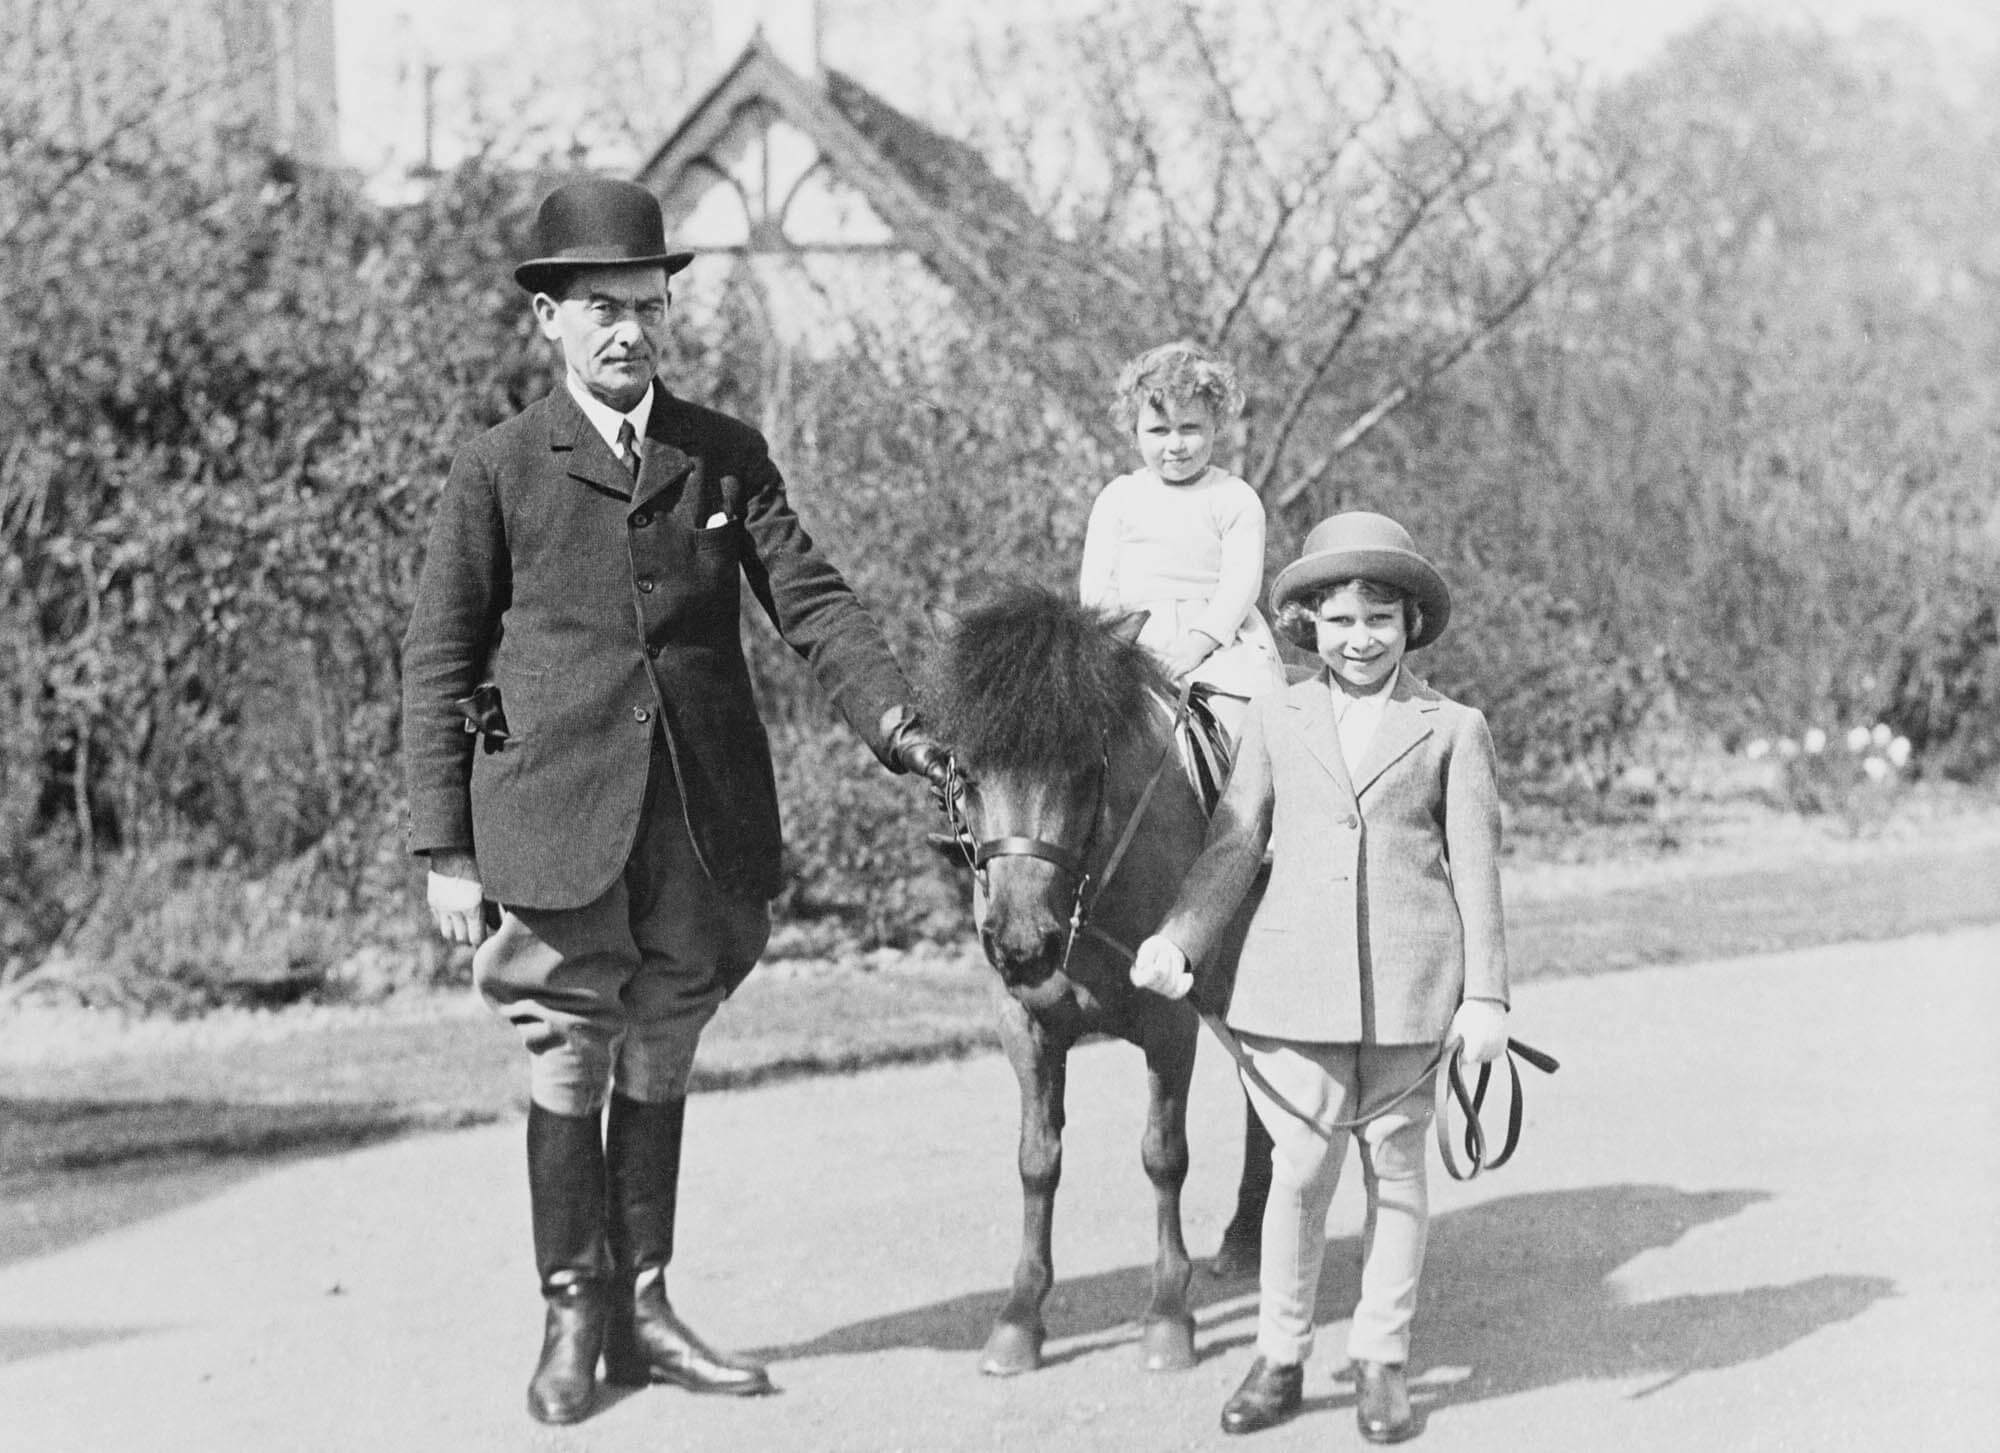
(645, 1342)
(566, 1193)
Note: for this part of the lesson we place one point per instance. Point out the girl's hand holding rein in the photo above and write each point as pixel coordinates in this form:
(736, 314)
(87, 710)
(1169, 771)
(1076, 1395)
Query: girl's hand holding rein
(1481, 1027)
(1160, 966)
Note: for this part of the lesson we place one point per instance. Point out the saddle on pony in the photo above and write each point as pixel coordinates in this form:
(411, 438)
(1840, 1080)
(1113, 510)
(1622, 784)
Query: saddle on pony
(1206, 750)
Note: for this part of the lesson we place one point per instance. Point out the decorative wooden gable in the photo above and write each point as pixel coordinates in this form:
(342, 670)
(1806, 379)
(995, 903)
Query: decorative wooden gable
(769, 162)
(764, 164)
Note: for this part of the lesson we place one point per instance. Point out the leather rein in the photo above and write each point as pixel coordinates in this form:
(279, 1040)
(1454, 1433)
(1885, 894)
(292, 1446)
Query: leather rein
(1449, 1086)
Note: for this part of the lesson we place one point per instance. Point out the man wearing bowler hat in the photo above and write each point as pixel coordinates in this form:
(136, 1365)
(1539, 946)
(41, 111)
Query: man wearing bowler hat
(586, 764)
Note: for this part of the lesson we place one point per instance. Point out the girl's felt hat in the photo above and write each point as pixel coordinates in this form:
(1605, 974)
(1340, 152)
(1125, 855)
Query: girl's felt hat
(1361, 545)
(597, 222)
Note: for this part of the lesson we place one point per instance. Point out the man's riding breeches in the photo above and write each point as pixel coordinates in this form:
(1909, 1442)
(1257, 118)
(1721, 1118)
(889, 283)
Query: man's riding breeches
(619, 990)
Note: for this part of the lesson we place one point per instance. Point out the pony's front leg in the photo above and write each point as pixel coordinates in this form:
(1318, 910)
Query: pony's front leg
(1241, 1251)
(1167, 1338)
(1015, 1344)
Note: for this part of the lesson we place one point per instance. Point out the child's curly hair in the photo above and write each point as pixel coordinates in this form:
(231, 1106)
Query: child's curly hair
(1175, 373)
(1297, 620)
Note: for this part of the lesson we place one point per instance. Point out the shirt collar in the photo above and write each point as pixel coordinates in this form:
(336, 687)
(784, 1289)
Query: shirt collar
(1374, 703)
(606, 419)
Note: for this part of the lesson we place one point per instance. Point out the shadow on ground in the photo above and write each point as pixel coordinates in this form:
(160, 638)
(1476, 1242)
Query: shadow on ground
(18, 1344)
(71, 1169)
(1518, 1294)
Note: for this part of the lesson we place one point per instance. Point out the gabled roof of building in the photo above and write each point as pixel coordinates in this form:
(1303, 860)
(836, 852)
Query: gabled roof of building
(1071, 310)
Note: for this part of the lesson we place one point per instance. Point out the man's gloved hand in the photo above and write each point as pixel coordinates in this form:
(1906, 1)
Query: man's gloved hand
(1482, 1025)
(915, 750)
(1160, 965)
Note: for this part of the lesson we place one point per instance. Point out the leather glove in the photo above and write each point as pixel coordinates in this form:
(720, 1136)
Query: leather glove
(1160, 965)
(484, 717)
(458, 906)
(916, 750)
(1482, 1025)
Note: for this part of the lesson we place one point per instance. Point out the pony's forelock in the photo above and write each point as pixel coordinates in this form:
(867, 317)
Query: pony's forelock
(1032, 680)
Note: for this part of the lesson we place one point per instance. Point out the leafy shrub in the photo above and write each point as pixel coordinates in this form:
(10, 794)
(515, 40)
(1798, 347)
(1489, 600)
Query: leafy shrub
(1855, 776)
(1566, 702)
(1946, 691)
(855, 851)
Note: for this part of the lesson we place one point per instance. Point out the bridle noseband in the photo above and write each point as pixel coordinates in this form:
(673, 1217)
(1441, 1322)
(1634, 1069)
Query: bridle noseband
(1074, 862)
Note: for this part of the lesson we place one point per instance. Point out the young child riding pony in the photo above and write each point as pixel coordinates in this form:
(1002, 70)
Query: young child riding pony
(1180, 537)
(1378, 940)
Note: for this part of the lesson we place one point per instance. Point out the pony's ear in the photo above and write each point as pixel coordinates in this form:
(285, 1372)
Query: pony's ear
(1127, 627)
(943, 622)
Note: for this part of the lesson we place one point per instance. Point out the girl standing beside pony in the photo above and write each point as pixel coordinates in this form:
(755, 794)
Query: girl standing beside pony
(1181, 538)
(1378, 939)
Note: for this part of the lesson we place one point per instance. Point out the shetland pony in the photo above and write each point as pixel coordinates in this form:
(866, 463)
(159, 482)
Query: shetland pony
(1080, 823)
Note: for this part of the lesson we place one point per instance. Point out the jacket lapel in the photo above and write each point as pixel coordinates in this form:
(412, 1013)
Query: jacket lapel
(1405, 722)
(589, 460)
(666, 464)
(583, 452)
(1311, 708)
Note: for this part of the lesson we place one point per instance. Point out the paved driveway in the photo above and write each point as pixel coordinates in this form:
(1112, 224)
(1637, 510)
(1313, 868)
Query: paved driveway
(1756, 1210)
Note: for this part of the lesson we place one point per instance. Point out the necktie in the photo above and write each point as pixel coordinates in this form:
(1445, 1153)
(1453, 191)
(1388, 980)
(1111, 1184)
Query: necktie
(628, 448)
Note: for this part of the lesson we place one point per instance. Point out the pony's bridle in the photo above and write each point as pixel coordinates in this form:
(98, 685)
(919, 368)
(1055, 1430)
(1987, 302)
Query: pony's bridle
(1074, 862)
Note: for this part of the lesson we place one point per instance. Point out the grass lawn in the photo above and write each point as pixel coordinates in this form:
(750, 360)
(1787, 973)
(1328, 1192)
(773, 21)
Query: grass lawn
(97, 1127)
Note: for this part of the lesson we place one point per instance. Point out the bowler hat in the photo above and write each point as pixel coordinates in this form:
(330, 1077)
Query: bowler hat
(1362, 545)
(597, 222)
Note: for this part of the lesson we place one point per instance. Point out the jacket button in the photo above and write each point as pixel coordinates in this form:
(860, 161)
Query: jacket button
(641, 715)
(654, 652)
(1350, 821)
(642, 519)
(645, 583)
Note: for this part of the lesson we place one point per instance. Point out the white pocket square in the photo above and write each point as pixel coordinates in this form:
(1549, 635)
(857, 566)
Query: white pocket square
(716, 521)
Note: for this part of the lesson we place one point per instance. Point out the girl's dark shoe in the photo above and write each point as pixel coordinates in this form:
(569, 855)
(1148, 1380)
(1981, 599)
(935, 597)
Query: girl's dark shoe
(1382, 1402)
(1271, 1393)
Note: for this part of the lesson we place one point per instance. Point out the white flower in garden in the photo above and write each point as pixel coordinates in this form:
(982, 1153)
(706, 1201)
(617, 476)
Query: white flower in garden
(1787, 748)
(1758, 749)
(1815, 742)
(1881, 735)
(1877, 768)
(1899, 752)
(1857, 739)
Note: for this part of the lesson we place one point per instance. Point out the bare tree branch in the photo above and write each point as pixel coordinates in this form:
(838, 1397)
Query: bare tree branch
(1376, 269)
(1224, 95)
(1436, 364)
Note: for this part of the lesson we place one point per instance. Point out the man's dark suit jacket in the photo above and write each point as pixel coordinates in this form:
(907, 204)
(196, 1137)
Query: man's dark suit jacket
(604, 613)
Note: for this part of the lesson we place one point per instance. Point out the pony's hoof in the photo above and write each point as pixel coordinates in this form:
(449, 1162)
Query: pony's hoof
(1237, 1258)
(1168, 1345)
(1011, 1351)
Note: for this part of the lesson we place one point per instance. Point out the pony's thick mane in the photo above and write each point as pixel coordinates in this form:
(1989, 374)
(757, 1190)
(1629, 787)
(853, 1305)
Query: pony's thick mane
(1033, 681)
